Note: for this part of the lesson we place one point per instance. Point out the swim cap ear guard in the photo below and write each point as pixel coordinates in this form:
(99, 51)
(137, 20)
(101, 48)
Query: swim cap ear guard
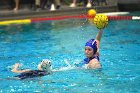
(93, 44)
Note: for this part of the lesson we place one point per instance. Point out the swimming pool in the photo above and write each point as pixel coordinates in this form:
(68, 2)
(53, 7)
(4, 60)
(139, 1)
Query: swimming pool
(63, 43)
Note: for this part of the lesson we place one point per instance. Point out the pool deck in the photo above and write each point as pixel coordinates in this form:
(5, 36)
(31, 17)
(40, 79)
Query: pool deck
(64, 11)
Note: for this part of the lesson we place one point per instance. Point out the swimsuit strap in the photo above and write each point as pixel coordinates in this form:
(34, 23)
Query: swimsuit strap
(87, 60)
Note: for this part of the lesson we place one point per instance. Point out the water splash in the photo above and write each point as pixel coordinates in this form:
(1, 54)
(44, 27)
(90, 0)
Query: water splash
(70, 66)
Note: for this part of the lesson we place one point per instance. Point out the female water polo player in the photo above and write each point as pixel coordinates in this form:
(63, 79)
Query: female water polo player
(92, 53)
(44, 68)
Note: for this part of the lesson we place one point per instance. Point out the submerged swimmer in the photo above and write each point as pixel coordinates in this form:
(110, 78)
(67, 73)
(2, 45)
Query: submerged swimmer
(44, 68)
(92, 53)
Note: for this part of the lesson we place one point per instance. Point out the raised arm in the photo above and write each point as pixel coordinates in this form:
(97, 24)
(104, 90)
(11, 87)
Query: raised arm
(99, 35)
(98, 39)
(16, 68)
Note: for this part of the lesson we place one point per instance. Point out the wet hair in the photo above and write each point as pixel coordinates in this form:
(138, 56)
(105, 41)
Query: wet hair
(93, 44)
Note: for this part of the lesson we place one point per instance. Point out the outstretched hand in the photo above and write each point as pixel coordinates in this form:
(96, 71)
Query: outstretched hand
(17, 65)
(16, 70)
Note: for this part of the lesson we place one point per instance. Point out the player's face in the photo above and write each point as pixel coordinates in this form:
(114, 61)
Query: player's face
(88, 51)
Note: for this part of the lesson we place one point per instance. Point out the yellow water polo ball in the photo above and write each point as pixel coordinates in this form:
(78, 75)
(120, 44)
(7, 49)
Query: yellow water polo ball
(100, 21)
(91, 12)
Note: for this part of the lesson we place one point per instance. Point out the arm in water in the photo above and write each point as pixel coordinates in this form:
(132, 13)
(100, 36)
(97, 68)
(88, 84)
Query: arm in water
(16, 68)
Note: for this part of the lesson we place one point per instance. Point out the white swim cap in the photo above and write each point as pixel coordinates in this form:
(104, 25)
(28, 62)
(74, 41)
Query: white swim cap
(44, 65)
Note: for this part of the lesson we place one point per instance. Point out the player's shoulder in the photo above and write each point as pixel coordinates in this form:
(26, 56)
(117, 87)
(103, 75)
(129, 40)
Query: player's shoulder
(94, 61)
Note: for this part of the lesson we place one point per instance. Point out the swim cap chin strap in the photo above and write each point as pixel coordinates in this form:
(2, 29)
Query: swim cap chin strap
(93, 44)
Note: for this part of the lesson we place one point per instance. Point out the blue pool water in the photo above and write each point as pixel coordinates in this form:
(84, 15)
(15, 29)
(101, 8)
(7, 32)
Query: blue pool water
(63, 43)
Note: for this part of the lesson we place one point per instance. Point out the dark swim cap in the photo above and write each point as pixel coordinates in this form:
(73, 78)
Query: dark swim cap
(93, 44)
